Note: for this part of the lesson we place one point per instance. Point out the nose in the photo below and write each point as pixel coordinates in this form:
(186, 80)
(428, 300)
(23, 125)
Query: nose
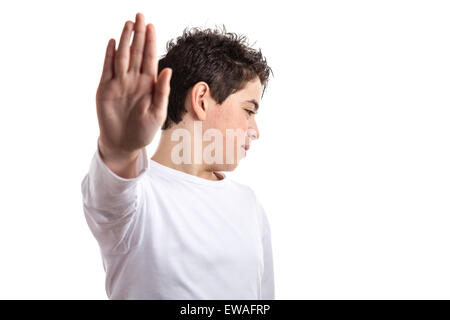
(253, 131)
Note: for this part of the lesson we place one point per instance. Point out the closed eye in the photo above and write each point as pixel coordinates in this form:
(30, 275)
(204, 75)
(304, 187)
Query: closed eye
(250, 112)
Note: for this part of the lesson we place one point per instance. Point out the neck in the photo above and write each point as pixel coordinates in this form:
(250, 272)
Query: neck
(163, 153)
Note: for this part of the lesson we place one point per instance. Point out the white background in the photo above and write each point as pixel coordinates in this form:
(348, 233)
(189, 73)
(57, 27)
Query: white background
(352, 164)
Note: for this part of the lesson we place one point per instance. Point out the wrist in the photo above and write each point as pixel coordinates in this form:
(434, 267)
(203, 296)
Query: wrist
(116, 155)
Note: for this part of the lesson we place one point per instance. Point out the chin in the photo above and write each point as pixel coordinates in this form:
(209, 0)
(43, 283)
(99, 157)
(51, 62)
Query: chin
(225, 166)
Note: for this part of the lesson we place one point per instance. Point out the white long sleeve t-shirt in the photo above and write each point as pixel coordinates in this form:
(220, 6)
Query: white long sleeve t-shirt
(167, 234)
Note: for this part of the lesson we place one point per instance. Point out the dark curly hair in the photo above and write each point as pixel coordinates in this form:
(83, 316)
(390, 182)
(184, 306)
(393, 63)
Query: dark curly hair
(222, 59)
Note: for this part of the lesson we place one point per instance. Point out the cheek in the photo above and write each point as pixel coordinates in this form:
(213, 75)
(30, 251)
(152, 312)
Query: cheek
(235, 121)
(223, 120)
(238, 125)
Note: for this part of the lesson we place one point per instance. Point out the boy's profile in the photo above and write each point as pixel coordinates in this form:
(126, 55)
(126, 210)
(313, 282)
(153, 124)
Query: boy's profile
(173, 226)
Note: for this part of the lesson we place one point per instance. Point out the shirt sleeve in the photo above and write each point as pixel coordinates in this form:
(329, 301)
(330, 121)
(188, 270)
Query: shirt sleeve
(110, 203)
(267, 282)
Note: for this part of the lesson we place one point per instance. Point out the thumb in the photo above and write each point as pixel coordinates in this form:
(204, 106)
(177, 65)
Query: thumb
(161, 92)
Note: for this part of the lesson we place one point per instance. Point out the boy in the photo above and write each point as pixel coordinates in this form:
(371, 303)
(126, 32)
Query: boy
(173, 226)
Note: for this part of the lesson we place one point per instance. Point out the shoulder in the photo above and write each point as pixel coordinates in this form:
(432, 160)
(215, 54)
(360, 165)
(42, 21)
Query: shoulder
(248, 191)
(252, 196)
(244, 188)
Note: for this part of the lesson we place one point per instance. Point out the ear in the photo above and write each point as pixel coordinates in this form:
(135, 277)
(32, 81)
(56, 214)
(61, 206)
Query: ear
(198, 99)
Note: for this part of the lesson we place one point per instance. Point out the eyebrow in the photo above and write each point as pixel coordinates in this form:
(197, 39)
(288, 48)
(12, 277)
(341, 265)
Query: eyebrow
(254, 103)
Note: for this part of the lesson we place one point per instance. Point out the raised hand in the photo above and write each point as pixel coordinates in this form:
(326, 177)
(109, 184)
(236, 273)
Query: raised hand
(131, 98)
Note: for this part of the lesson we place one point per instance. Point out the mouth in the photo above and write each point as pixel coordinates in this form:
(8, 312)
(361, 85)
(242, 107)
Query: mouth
(245, 147)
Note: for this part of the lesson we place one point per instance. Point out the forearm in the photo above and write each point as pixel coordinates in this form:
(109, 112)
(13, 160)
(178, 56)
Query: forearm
(107, 193)
(111, 202)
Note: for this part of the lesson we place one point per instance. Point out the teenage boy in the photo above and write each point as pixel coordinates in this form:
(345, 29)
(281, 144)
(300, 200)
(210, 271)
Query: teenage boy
(174, 226)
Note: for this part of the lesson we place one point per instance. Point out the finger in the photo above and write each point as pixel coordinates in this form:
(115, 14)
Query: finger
(123, 52)
(137, 47)
(108, 65)
(150, 63)
(161, 92)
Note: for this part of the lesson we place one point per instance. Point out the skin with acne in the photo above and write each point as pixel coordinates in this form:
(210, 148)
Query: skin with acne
(132, 101)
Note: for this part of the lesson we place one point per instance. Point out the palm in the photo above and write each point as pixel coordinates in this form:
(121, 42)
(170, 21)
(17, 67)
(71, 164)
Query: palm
(131, 99)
